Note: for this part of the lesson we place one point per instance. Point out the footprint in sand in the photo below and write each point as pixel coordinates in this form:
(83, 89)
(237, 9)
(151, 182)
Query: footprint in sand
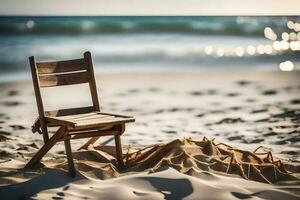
(197, 132)
(4, 153)
(169, 131)
(112, 104)
(174, 109)
(289, 88)
(217, 112)
(139, 133)
(243, 196)
(158, 111)
(11, 103)
(293, 114)
(269, 92)
(295, 101)
(3, 138)
(5, 133)
(200, 115)
(250, 100)
(13, 93)
(196, 93)
(289, 140)
(61, 194)
(24, 148)
(120, 94)
(243, 82)
(232, 94)
(233, 138)
(141, 124)
(212, 92)
(215, 103)
(171, 126)
(57, 198)
(130, 110)
(259, 111)
(133, 91)
(235, 108)
(34, 145)
(66, 188)
(272, 133)
(153, 89)
(230, 121)
(189, 109)
(258, 140)
(139, 193)
(17, 127)
(293, 153)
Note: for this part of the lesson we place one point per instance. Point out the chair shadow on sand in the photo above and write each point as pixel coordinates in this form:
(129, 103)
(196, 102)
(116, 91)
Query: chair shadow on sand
(178, 189)
(51, 178)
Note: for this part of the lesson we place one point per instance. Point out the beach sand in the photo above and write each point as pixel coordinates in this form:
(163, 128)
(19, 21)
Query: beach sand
(237, 111)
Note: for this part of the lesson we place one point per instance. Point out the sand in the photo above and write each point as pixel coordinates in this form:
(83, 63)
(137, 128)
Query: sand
(165, 150)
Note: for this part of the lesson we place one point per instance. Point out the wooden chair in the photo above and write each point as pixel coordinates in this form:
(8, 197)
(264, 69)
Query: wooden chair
(72, 123)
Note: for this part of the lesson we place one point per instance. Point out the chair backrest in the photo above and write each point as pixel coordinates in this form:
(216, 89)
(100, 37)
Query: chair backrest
(60, 73)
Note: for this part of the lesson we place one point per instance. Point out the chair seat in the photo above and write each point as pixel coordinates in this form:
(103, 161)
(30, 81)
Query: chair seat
(92, 120)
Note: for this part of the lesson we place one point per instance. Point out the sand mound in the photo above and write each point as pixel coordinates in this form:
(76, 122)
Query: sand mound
(186, 156)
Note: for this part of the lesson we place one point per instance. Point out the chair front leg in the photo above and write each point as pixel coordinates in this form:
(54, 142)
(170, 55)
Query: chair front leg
(45, 148)
(72, 170)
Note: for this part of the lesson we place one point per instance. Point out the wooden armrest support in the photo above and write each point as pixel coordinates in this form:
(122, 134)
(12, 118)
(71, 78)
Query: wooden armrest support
(36, 126)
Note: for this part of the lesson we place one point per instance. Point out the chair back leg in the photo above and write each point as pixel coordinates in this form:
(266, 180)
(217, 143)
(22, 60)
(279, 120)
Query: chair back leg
(119, 151)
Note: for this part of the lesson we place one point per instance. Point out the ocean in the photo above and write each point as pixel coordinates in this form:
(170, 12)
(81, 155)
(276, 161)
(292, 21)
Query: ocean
(126, 44)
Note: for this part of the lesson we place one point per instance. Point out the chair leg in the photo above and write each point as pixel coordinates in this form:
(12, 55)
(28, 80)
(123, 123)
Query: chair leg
(45, 134)
(119, 151)
(45, 148)
(72, 170)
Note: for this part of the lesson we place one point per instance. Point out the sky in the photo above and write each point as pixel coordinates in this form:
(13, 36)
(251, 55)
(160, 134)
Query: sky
(150, 7)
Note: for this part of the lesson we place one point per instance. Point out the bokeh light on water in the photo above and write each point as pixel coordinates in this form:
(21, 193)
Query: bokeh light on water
(152, 43)
(286, 66)
(289, 41)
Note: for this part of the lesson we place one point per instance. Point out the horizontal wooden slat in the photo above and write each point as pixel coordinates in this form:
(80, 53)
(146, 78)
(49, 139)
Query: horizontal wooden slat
(61, 66)
(85, 116)
(102, 128)
(70, 112)
(89, 134)
(117, 115)
(91, 117)
(96, 123)
(100, 121)
(54, 120)
(77, 116)
(87, 121)
(64, 79)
